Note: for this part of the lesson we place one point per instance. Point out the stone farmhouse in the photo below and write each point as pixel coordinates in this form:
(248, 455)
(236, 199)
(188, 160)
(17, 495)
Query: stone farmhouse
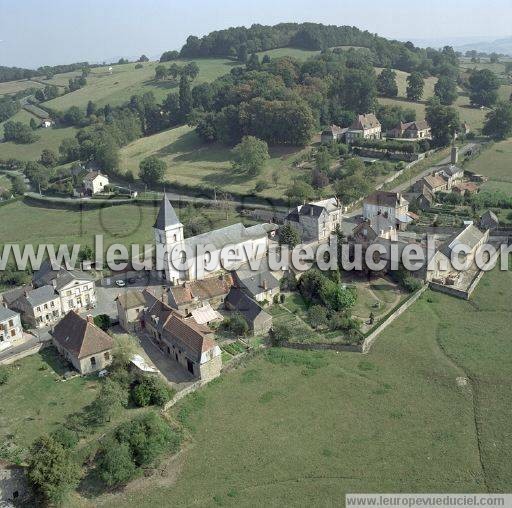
(416, 130)
(364, 127)
(261, 285)
(391, 205)
(316, 221)
(245, 243)
(40, 306)
(333, 133)
(75, 288)
(11, 330)
(489, 220)
(95, 182)
(433, 183)
(369, 230)
(130, 310)
(14, 487)
(440, 266)
(82, 343)
(259, 321)
(196, 294)
(184, 341)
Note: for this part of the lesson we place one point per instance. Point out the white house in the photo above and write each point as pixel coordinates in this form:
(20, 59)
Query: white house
(95, 182)
(10, 327)
(364, 127)
(195, 258)
(46, 122)
(391, 205)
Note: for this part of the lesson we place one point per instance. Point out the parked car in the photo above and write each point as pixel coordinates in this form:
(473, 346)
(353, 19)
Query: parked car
(120, 283)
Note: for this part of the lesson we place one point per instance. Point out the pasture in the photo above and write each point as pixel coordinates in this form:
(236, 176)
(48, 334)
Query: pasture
(190, 161)
(11, 87)
(495, 163)
(427, 410)
(116, 87)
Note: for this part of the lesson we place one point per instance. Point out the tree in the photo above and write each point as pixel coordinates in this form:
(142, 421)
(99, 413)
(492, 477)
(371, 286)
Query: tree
(185, 96)
(151, 390)
(91, 109)
(499, 121)
(4, 374)
(33, 124)
(191, 70)
(317, 316)
(124, 349)
(253, 64)
(386, 83)
(51, 470)
(152, 170)
(483, 88)
(69, 149)
(103, 321)
(116, 466)
(250, 155)
(236, 325)
(415, 85)
(18, 132)
(443, 120)
(18, 186)
(48, 158)
(281, 332)
(351, 188)
(143, 58)
(446, 90)
(160, 72)
(37, 174)
(494, 57)
(109, 402)
(300, 191)
(73, 116)
(288, 235)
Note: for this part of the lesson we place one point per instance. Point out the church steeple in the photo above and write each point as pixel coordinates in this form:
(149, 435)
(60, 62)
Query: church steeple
(166, 217)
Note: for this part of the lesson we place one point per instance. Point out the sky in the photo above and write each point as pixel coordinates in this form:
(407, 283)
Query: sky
(35, 32)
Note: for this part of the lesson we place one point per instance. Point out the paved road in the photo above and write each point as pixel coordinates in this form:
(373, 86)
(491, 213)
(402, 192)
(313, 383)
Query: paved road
(13, 351)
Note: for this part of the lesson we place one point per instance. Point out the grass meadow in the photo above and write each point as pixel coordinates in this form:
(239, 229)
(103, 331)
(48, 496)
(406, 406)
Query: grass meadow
(190, 161)
(495, 163)
(427, 410)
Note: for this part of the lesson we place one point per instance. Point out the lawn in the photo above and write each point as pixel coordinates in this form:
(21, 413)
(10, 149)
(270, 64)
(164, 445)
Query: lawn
(190, 161)
(23, 223)
(5, 182)
(379, 296)
(495, 163)
(401, 81)
(35, 400)
(299, 54)
(304, 428)
(117, 87)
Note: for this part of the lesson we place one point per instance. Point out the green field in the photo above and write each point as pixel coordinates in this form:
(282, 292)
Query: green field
(303, 428)
(401, 81)
(10, 87)
(299, 54)
(35, 400)
(495, 163)
(192, 162)
(127, 224)
(117, 87)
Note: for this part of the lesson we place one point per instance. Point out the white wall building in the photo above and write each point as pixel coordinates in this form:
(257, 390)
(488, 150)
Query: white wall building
(95, 182)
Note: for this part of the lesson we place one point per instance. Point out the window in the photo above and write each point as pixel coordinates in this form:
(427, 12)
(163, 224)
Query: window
(93, 361)
(13, 333)
(107, 356)
(11, 323)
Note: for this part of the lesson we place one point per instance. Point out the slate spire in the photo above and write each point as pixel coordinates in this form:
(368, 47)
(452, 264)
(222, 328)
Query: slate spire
(166, 215)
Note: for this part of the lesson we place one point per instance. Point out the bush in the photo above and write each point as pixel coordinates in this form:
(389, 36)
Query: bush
(236, 325)
(151, 390)
(317, 316)
(66, 437)
(4, 374)
(116, 466)
(281, 332)
(103, 321)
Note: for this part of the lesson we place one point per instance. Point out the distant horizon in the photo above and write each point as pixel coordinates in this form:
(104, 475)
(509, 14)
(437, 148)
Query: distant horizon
(65, 32)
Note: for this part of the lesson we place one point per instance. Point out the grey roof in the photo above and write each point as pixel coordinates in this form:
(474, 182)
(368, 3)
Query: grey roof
(256, 282)
(166, 215)
(229, 235)
(470, 237)
(451, 169)
(48, 273)
(6, 314)
(10, 296)
(41, 295)
(309, 209)
(489, 215)
(380, 223)
(243, 303)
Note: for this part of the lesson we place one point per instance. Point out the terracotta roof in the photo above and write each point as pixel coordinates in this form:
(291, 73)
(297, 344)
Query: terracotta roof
(187, 331)
(131, 299)
(81, 337)
(201, 289)
(368, 121)
(434, 181)
(466, 186)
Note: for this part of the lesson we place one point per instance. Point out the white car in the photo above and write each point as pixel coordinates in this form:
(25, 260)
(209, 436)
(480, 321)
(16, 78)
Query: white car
(120, 283)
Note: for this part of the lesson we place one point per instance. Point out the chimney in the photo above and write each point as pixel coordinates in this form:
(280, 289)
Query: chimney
(54, 283)
(311, 211)
(454, 158)
(265, 285)
(90, 319)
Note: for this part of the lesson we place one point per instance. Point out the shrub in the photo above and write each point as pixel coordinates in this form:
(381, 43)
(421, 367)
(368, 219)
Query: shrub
(66, 437)
(116, 466)
(281, 332)
(103, 321)
(151, 390)
(317, 316)
(4, 374)
(236, 324)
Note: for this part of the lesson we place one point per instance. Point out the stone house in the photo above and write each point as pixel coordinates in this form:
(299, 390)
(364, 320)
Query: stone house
(369, 230)
(195, 294)
(259, 321)
(440, 267)
(11, 330)
(82, 343)
(364, 127)
(316, 221)
(451, 173)
(425, 199)
(416, 130)
(184, 341)
(465, 188)
(332, 133)
(39, 307)
(261, 285)
(433, 183)
(489, 220)
(391, 205)
(95, 182)
(75, 288)
(130, 310)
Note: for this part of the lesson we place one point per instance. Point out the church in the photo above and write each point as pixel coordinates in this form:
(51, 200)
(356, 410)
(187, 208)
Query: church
(181, 259)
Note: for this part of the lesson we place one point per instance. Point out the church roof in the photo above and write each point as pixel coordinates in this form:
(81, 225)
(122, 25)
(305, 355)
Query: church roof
(166, 215)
